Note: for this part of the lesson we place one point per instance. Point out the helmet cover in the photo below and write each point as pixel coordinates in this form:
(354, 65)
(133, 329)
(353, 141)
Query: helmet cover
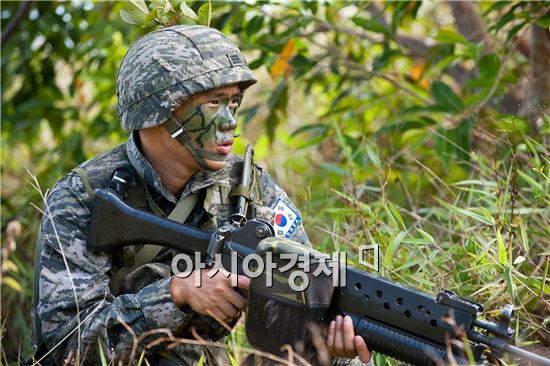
(165, 67)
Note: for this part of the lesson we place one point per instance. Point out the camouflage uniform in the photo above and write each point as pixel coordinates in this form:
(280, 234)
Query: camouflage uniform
(145, 302)
(75, 307)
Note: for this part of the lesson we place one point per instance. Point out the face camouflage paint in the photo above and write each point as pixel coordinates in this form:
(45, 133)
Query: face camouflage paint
(205, 128)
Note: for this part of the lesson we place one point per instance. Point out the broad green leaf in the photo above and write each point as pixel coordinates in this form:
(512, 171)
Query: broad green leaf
(467, 213)
(489, 66)
(513, 125)
(396, 214)
(277, 105)
(316, 128)
(502, 256)
(205, 12)
(474, 50)
(537, 284)
(167, 8)
(426, 235)
(301, 64)
(495, 6)
(398, 14)
(131, 14)
(524, 237)
(448, 61)
(189, 16)
(162, 7)
(253, 26)
(445, 96)
(515, 29)
(507, 18)
(391, 248)
(417, 241)
(140, 5)
(370, 25)
(450, 36)
(11, 282)
(454, 143)
(12, 266)
(334, 169)
(402, 126)
(373, 155)
(544, 21)
(509, 282)
(391, 221)
(530, 180)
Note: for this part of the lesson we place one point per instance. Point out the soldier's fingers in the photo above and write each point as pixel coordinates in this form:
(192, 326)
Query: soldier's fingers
(348, 335)
(338, 338)
(217, 314)
(243, 282)
(362, 350)
(330, 336)
(228, 309)
(236, 299)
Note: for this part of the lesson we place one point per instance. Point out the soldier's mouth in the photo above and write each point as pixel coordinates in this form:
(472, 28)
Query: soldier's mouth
(225, 148)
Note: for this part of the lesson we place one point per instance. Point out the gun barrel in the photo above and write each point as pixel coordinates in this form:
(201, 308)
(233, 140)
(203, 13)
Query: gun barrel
(533, 357)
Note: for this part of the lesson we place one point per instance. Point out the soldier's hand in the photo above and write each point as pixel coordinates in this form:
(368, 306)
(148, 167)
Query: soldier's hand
(342, 342)
(215, 296)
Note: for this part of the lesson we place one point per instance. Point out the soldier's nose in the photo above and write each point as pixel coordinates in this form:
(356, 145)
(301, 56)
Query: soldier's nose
(229, 122)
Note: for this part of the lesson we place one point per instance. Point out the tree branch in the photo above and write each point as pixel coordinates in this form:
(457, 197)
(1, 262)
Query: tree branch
(12, 25)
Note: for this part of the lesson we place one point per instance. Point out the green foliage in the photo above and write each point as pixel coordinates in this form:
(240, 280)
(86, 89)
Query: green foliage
(163, 13)
(383, 122)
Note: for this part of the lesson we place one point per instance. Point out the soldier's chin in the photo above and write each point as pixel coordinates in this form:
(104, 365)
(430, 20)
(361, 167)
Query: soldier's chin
(214, 164)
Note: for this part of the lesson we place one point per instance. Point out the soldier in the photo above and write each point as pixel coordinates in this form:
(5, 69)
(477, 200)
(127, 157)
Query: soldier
(178, 91)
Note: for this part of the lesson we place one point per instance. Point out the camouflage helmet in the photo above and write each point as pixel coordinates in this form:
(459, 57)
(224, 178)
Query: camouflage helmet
(163, 68)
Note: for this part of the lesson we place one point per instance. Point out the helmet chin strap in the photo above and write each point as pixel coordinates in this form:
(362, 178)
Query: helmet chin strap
(179, 133)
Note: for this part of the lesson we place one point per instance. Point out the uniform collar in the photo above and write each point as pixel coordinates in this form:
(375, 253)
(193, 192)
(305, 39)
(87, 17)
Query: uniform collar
(200, 180)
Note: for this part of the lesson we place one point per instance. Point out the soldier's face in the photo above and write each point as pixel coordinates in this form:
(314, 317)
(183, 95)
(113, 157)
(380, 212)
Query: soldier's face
(209, 118)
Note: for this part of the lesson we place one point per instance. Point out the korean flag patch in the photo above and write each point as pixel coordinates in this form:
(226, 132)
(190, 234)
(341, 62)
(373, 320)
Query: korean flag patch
(286, 219)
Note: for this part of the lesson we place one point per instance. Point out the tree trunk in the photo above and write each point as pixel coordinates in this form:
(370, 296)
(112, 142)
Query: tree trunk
(468, 22)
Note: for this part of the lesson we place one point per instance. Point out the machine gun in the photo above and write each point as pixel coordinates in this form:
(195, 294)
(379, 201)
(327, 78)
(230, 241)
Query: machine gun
(395, 320)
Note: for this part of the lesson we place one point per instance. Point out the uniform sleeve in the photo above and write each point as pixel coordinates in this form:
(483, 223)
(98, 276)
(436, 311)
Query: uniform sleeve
(277, 204)
(75, 305)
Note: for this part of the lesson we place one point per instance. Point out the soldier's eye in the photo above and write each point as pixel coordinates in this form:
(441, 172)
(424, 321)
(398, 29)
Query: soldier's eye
(214, 102)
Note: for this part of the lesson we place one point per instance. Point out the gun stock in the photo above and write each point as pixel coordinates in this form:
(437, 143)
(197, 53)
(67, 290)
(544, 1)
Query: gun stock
(114, 225)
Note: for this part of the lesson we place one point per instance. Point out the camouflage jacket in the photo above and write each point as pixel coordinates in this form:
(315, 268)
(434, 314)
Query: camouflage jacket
(75, 306)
